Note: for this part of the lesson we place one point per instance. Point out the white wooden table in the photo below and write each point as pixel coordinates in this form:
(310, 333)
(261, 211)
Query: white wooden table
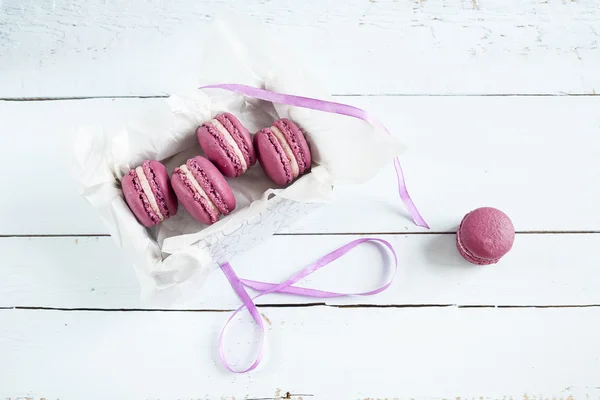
(496, 100)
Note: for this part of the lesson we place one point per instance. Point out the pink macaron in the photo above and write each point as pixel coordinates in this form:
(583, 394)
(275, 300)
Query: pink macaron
(148, 193)
(282, 151)
(202, 190)
(485, 235)
(227, 144)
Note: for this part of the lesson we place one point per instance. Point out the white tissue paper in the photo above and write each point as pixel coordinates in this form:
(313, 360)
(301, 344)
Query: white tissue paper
(174, 258)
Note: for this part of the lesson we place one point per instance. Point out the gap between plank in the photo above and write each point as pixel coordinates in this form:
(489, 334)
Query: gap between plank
(464, 94)
(288, 395)
(76, 235)
(429, 233)
(303, 305)
(162, 96)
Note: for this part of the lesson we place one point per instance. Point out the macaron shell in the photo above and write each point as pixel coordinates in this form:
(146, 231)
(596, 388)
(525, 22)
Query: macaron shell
(135, 203)
(470, 257)
(240, 134)
(164, 185)
(272, 158)
(486, 234)
(297, 142)
(214, 184)
(186, 197)
(219, 152)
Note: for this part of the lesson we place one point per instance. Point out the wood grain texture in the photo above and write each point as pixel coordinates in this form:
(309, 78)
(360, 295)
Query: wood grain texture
(523, 329)
(383, 353)
(533, 157)
(139, 47)
(541, 270)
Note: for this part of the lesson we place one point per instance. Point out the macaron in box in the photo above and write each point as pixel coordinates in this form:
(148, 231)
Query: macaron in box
(202, 190)
(227, 143)
(148, 193)
(283, 151)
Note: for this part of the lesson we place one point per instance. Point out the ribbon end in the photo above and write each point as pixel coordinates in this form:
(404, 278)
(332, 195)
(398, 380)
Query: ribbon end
(406, 199)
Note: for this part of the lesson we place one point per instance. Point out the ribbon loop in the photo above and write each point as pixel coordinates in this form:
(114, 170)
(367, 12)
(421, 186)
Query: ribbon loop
(238, 287)
(287, 287)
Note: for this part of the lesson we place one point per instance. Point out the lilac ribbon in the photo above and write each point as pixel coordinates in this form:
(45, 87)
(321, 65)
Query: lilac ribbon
(287, 287)
(330, 107)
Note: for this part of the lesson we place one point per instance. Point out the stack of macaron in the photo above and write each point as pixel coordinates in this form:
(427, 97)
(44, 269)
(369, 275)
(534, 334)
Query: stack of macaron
(200, 185)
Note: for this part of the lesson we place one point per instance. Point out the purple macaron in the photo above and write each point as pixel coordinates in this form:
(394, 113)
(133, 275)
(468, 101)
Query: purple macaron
(148, 193)
(485, 235)
(282, 151)
(227, 144)
(202, 190)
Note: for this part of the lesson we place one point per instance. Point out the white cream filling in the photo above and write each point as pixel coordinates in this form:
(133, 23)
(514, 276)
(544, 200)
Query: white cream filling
(196, 185)
(148, 192)
(229, 139)
(287, 149)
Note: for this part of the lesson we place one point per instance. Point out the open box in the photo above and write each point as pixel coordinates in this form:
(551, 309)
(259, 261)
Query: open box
(175, 257)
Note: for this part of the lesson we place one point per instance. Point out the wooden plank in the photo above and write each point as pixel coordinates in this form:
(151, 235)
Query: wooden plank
(434, 47)
(533, 157)
(385, 353)
(540, 270)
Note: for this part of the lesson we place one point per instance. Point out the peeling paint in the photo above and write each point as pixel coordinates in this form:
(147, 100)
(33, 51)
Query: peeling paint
(266, 319)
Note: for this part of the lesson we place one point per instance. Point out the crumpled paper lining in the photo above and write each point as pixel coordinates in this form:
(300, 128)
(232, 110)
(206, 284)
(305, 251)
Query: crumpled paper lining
(344, 150)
